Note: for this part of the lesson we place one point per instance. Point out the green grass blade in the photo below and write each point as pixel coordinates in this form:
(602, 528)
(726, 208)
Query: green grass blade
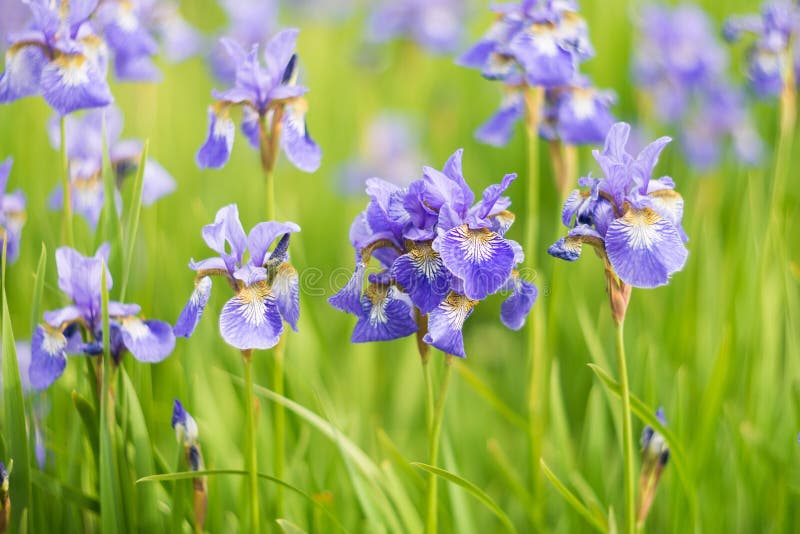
(462, 512)
(399, 460)
(571, 499)
(112, 514)
(88, 417)
(288, 527)
(472, 489)
(60, 490)
(132, 220)
(648, 416)
(110, 230)
(493, 400)
(38, 286)
(239, 472)
(14, 423)
(147, 504)
(510, 474)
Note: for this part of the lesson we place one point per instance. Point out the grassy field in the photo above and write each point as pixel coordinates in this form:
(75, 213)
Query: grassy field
(718, 348)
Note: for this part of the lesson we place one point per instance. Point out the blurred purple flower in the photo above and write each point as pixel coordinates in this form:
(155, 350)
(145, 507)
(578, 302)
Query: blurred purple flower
(85, 153)
(266, 286)
(272, 105)
(577, 113)
(632, 220)
(539, 40)
(79, 277)
(771, 57)
(436, 25)
(390, 148)
(440, 254)
(250, 22)
(682, 64)
(59, 57)
(12, 213)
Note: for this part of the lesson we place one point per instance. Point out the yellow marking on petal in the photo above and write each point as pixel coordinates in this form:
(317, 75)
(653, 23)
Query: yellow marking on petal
(425, 259)
(641, 227)
(476, 244)
(457, 308)
(73, 68)
(53, 340)
(252, 305)
(377, 294)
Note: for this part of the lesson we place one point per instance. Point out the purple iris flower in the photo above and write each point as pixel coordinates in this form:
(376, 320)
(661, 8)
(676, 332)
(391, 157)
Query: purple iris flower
(682, 65)
(632, 220)
(58, 57)
(79, 278)
(272, 106)
(85, 153)
(770, 57)
(133, 29)
(12, 214)
(266, 286)
(389, 147)
(187, 434)
(440, 253)
(436, 25)
(249, 22)
(542, 41)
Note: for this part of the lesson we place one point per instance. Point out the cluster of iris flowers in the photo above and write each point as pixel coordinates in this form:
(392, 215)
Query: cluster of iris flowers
(440, 253)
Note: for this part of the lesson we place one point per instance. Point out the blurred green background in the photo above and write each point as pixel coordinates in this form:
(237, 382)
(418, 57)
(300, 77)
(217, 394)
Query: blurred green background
(719, 348)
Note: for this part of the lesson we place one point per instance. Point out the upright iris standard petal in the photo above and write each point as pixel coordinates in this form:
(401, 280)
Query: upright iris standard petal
(184, 424)
(348, 299)
(286, 288)
(191, 313)
(445, 324)
(216, 150)
(644, 248)
(296, 142)
(423, 276)
(516, 307)
(251, 319)
(263, 235)
(479, 257)
(148, 341)
(72, 82)
(384, 316)
(48, 357)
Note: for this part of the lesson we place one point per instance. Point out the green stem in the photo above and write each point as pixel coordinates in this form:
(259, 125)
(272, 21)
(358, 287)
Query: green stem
(251, 458)
(435, 431)
(537, 386)
(69, 236)
(279, 414)
(627, 434)
(269, 183)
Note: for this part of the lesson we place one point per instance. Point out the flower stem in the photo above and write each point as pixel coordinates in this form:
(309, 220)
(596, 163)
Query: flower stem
(279, 415)
(537, 386)
(251, 458)
(269, 184)
(435, 431)
(627, 434)
(69, 236)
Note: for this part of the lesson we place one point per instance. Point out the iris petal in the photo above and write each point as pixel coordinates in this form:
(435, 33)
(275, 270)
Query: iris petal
(481, 258)
(191, 313)
(72, 82)
(445, 323)
(516, 307)
(422, 274)
(384, 316)
(348, 299)
(286, 288)
(251, 319)
(48, 358)
(644, 248)
(216, 151)
(148, 341)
